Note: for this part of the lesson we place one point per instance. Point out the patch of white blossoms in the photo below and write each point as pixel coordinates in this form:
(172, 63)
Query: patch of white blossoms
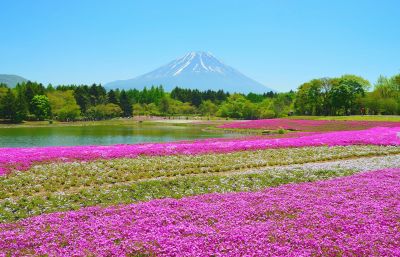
(356, 164)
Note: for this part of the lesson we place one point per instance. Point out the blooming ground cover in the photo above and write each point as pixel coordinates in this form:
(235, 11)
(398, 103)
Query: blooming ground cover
(307, 125)
(71, 185)
(23, 158)
(352, 216)
(315, 194)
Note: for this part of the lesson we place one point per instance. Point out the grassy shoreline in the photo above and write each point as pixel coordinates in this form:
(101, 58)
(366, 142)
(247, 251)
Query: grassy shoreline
(116, 122)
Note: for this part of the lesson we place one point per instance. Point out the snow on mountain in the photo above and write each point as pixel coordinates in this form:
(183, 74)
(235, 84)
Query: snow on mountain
(196, 70)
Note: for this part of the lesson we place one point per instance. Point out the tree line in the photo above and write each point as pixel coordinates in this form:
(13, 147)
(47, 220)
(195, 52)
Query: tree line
(34, 101)
(345, 95)
(349, 95)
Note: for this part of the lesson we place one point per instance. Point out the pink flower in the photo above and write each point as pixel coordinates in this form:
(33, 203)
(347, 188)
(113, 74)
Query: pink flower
(351, 216)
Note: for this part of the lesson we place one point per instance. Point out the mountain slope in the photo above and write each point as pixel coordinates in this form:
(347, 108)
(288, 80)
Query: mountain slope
(11, 80)
(198, 70)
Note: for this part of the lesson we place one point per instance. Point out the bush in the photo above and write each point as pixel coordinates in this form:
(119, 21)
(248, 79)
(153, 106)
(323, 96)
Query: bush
(281, 131)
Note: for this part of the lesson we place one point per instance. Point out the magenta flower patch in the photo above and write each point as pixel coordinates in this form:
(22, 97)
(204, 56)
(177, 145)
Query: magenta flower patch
(349, 216)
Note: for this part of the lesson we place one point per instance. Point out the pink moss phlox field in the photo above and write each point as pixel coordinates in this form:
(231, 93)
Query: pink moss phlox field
(23, 158)
(274, 124)
(306, 125)
(349, 216)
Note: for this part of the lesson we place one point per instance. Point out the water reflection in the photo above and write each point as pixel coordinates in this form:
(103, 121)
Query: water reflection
(98, 135)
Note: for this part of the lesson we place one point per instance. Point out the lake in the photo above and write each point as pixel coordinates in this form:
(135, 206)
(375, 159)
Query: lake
(99, 135)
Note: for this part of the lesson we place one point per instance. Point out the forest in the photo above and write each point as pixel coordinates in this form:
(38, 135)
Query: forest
(345, 95)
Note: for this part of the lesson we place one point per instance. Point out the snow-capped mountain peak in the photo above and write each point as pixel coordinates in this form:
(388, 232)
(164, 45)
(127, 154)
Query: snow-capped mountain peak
(197, 62)
(201, 70)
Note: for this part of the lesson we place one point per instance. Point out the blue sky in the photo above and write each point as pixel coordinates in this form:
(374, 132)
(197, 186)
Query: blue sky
(278, 43)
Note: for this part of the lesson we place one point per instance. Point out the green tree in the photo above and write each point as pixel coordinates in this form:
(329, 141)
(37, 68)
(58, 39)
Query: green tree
(344, 95)
(29, 90)
(151, 109)
(97, 94)
(255, 98)
(331, 96)
(372, 103)
(237, 106)
(390, 106)
(309, 98)
(12, 108)
(164, 105)
(8, 105)
(125, 104)
(41, 107)
(360, 81)
(265, 109)
(82, 97)
(138, 109)
(104, 111)
(177, 107)
(112, 97)
(21, 106)
(280, 107)
(3, 89)
(208, 108)
(63, 105)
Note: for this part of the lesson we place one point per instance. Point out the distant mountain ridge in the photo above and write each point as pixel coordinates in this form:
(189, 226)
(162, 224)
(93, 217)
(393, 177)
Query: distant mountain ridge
(195, 70)
(11, 80)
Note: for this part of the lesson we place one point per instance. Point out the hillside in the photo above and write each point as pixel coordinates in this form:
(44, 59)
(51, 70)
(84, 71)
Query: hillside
(11, 80)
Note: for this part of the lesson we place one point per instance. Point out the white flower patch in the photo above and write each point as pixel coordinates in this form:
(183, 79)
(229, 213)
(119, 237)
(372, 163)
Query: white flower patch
(356, 164)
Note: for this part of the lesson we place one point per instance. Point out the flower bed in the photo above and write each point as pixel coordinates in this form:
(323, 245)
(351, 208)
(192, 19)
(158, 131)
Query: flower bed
(23, 158)
(72, 185)
(307, 125)
(352, 216)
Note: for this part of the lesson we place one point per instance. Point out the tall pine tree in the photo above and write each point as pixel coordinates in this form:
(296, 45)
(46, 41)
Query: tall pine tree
(112, 97)
(125, 104)
(13, 108)
(7, 105)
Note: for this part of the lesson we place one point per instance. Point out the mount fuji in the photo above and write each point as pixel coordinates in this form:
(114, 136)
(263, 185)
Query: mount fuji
(195, 70)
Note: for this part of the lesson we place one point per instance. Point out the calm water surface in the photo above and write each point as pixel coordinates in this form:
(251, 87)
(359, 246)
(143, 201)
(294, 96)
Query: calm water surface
(99, 135)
